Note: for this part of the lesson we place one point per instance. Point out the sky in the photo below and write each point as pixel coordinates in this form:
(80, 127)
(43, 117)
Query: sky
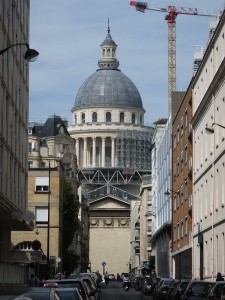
(68, 35)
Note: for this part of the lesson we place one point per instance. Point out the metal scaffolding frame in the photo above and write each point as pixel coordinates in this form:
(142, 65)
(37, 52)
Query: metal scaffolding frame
(133, 150)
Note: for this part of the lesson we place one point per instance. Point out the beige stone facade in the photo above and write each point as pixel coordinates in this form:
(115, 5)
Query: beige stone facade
(109, 235)
(22, 251)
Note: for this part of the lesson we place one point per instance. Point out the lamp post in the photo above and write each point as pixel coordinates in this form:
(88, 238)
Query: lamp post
(48, 228)
(30, 55)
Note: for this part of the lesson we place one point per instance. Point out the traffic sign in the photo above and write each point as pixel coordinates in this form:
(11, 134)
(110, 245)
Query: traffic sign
(104, 263)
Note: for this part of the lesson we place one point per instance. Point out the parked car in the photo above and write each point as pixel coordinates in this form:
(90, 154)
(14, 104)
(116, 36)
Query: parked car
(92, 285)
(179, 290)
(162, 288)
(78, 282)
(38, 293)
(171, 289)
(223, 294)
(216, 290)
(69, 294)
(197, 289)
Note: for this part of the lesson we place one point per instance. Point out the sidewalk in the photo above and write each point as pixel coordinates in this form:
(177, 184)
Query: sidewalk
(9, 292)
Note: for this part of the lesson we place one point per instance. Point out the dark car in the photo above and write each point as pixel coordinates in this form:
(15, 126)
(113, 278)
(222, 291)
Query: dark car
(92, 285)
(197, 289)
(78, 282)
(216, 290)
(179, 290)
(162, 288)
(172, 288)
(69, 294)
(38, 293)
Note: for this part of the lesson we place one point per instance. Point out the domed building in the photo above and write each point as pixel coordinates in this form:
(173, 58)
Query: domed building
(112, 147)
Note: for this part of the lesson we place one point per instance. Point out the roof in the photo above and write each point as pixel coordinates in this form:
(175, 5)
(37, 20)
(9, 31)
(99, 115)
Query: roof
(108, 87)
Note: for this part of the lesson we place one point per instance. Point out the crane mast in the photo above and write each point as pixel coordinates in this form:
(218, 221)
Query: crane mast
(172, 12)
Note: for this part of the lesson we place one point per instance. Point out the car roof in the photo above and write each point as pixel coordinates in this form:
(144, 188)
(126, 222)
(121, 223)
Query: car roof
(39, 293)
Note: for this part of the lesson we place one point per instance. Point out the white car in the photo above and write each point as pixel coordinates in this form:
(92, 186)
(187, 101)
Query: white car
(112, 277)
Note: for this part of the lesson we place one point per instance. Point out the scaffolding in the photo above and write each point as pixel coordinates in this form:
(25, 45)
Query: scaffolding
(133, 150)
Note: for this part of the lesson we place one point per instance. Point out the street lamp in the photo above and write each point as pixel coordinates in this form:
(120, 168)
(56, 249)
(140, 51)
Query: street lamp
(210, 130)
(167, 193)
(30, 55)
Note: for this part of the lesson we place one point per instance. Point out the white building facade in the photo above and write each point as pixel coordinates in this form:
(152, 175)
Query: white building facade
(161, 203)
(209, 160)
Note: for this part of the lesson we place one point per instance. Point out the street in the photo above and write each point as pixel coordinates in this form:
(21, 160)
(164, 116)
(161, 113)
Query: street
(114, 291)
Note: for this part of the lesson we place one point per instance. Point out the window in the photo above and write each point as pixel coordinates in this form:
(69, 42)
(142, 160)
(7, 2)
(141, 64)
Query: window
(186, 226)
(75, 119)
(41, 215)
(30, 130)
(83, 117)
(94, 117)
(42, 184)
(108, 117)
(30, 147)
(182, 126)
(30, 164)
(174, 233)
(133, 118)
(24, 246)
(182, 229)
(174, 141)
(141, 119)
(122, 117)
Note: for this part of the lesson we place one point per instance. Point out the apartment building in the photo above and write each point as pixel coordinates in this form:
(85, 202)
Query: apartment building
(181, 184)
(209, 160)
(14, 77)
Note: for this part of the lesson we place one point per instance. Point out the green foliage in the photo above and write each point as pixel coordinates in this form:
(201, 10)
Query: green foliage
(70, 261)
(71, 208)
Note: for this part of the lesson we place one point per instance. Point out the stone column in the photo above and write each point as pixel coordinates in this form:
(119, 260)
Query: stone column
(85, 153)
(113, 153)
(77, 149)
(94, 152)
(103, 152)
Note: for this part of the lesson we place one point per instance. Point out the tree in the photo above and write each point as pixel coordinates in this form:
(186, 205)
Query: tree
(71, 224)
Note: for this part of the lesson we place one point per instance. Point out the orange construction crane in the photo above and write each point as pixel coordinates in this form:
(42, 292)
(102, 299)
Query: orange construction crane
(172, 13)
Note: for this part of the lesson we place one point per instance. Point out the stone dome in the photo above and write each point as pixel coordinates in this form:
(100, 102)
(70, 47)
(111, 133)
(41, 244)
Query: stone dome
(108, 86)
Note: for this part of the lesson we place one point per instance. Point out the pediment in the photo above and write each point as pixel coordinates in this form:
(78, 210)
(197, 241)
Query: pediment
(109, 203)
